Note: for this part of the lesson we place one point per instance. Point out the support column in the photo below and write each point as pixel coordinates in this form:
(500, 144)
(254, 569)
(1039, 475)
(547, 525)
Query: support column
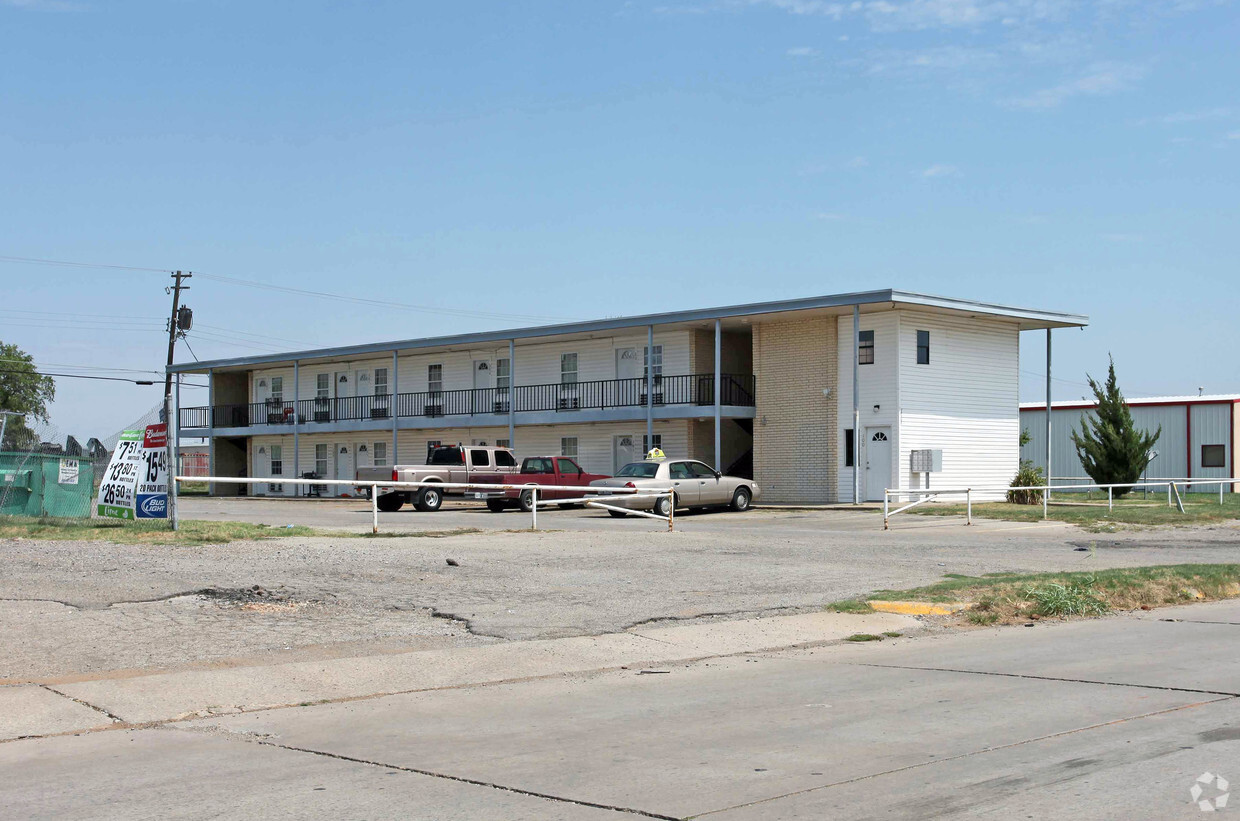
(512, 394)
(296, 427)
(649, 388)
(1046, 496)
(394, 382)
(718, 394)
(211, 429)
(856, 362)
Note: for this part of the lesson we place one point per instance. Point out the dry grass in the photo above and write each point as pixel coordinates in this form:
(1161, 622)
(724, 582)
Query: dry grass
(192, 531)
(1009, 598)
(1129, 513)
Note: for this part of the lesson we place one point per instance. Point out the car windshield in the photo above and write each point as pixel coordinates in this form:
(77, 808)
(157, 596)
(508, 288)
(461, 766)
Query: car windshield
(639, 470)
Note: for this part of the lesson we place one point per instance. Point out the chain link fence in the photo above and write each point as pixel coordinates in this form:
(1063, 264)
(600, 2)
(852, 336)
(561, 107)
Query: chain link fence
(47, 473)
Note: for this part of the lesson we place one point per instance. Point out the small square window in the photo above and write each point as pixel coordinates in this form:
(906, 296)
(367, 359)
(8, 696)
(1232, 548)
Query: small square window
(568, 445)
(923, 347)
(1214, 456)
(865, 348)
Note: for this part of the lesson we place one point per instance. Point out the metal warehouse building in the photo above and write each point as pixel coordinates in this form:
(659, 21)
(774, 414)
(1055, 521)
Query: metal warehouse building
(822, 399)
(1197, 441)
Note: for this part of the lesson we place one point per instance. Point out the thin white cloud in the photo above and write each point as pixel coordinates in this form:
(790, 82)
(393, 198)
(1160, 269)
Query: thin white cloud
(939, 170)
(1099, 80)
(802, 51)
(1235, 135)
(913, 15)
(829, 216)
(1181, 117)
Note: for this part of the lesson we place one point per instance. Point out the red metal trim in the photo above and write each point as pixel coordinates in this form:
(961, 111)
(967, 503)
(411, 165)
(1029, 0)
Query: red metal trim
(1087, 406)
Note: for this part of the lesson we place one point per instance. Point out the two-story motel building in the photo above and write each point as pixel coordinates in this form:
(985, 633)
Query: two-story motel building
(765, 388)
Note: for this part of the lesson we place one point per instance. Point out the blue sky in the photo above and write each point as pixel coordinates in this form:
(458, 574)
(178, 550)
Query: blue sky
(586, 159)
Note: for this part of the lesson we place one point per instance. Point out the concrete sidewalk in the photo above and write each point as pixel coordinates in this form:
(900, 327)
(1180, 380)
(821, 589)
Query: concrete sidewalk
(1113, 718)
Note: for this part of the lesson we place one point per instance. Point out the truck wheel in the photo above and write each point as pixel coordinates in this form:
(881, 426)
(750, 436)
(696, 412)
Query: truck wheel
(617, 514)
(496, 505)
(527, 500)
(429, 500)
(740, 500)
(390, 502)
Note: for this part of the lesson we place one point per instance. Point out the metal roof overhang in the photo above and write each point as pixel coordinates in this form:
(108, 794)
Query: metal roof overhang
(868, 301)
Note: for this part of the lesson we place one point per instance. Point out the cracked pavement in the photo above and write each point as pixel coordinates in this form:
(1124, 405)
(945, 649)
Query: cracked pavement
(76, 608)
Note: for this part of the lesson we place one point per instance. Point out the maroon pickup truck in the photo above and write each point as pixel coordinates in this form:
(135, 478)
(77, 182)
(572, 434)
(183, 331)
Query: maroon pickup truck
(543, 470)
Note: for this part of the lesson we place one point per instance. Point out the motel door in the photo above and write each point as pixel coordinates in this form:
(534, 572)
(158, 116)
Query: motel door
(344, 469)
(877, 463)
(484, 379)
(628, 366)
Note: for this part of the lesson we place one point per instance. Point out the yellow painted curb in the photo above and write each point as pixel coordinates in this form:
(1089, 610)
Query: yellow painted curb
(918, 608)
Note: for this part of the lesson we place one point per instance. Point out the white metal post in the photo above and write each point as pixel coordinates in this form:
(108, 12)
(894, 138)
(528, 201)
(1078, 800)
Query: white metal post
(649, 388)
(1046, 494)
(671, 510)
(512, 394)
(1168, 494)
(533, 511)
(968, 505)
(1111, 498)
(886, 497)
(374, 508)
(718, 394)
(1220, 494)
(296, 427)
(856, 357)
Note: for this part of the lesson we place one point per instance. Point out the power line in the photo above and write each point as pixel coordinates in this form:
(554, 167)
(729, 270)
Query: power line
(82, 376)
(79, 367)
(37, 261)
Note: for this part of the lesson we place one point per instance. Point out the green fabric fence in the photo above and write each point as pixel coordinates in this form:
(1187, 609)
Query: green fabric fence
(46, 484)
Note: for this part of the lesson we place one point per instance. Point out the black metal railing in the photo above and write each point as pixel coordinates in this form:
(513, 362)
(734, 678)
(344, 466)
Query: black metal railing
(694, 389)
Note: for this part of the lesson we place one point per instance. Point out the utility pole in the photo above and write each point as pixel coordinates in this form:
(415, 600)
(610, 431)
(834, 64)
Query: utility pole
(178, 323)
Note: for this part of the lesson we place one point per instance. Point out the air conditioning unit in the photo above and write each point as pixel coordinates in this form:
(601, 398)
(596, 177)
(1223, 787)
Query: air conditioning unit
(433, 410)
(501, 406)
(379, 413)
(569, 403)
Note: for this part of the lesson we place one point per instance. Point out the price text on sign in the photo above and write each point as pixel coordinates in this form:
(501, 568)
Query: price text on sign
(135, 485)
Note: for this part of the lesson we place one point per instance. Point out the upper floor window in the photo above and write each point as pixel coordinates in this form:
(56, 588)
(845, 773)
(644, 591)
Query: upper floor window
(277, 389)
(381, 381)
(652, 361)
(503, 374)
(568, 369)
(865, 348)
(434, 378)
(323, 386)
(923, 347)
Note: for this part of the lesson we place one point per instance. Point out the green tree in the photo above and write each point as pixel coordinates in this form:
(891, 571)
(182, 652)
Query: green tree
(1110, 447)
(23, 391)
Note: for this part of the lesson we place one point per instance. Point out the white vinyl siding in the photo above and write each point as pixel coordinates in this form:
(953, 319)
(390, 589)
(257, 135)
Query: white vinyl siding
(965, 401)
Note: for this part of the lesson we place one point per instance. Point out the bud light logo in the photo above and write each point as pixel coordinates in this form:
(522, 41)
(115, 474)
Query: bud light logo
(152, 506)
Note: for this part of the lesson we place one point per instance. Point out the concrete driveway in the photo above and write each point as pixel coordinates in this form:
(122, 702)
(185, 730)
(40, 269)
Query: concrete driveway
(1117, 718)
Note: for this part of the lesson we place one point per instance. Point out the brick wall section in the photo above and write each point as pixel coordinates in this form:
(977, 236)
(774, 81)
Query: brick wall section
(794, 361)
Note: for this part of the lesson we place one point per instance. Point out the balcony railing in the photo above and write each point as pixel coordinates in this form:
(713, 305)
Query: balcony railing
(696, 389)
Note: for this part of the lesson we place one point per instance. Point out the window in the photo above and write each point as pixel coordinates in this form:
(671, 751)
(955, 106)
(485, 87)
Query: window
(702, 471)
(653, 363)
(323, 386)
(537, 464)
(380, 452)
(568, 369)
(502, 443)
(1214, 456)
(277, 460)
(503, 374)
(923, 347)
(568, 466)
(430, 448)
(865, 349)
(320, 460)
(504, 458)
(680, 470)
(568, 445)
(381, 381)
(434, 378)
(479, 458)
(647, 445)
(451, 455)
(277, 389)
(850, 448)
(638, 470)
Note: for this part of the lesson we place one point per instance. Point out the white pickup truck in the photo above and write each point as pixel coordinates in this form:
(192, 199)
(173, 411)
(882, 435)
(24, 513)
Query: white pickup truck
(447, 463)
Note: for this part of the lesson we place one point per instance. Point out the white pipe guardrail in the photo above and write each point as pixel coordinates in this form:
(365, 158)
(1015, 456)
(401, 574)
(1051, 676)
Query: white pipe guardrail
(589, 501)
(1172, 485)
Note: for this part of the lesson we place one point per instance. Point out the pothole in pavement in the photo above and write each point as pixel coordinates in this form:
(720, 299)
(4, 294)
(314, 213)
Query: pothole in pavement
(253, 599)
